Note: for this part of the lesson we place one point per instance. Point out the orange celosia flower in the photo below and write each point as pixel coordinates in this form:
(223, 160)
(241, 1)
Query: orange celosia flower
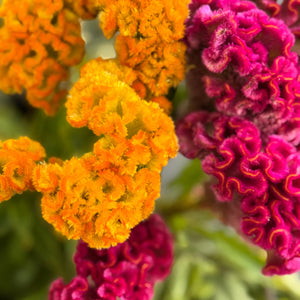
(104, 194)
(162, 20)
(158, 66)
(99, 205)
(17, 160)
(109, 107)
(39, 41)
(92, 87)
(148, 40)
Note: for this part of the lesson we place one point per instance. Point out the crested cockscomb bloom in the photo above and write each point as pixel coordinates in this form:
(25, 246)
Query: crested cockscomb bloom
(17, 161)
(101, 196)
(286, 10)
(259, 182)
(148, 40)
(228, 148)
(241, 64)
(127, 271)
(40, 40)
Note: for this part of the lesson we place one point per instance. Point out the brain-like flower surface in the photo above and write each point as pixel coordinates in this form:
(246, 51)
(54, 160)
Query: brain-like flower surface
(17, 161)
(241, 64)
(286, 10)
(127, 271)
(262, 180)
(40, 40)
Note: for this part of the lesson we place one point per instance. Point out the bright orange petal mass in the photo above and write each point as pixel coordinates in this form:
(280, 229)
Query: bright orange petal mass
(17, 161)
(40, 40)
(148, 40)
(97, 205)
(101, 196)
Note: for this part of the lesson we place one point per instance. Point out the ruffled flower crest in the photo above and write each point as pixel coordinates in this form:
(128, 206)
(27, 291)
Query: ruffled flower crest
(243, 62)
(245, 80)
(127, 271)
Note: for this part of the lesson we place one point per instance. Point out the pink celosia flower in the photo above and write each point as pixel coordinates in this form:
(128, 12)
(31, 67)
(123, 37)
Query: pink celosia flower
(241, 64)
(127, 271)
(259, 183)
(288, 11)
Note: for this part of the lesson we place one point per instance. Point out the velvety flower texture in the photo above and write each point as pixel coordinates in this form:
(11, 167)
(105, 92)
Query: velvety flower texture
(17, 161)
(286, 10)
(101, 196)
(241, 64)
(127, 271)
(264, 181)
(149, 40)
(40, 40)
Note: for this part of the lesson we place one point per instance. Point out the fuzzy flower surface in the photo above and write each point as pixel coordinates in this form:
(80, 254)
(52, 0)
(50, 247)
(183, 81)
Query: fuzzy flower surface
(262, 181)
(40, 40)
(127, 271)
(17, 161)
(286, 10)
(240, 63)
(101, 196)
(149, 40)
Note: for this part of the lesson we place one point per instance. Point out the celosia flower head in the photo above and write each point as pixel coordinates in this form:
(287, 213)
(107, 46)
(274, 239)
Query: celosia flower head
(101, 196)
(148, 40)
(260, 183)
(286, 10)
(40, 40)
(127, 271)
(242, 65)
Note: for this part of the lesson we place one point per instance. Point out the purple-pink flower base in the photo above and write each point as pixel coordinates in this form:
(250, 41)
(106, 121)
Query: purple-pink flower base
(127, 271)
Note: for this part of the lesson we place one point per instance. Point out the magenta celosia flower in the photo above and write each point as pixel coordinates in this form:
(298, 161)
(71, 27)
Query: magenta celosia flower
(241, 64)
(261, 184)
(288, 11)
(229, 148)
(127, 271)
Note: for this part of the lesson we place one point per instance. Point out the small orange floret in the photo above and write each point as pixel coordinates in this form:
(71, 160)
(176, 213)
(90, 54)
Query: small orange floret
(96, 78)
(17, 161)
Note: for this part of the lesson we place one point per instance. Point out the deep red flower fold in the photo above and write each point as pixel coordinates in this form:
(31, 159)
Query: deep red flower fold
(127, 271)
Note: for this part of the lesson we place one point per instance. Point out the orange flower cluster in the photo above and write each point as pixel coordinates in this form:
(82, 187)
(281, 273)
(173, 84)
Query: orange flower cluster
(40, 40)
(148, 41)
(17, 161)
(101, 196)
